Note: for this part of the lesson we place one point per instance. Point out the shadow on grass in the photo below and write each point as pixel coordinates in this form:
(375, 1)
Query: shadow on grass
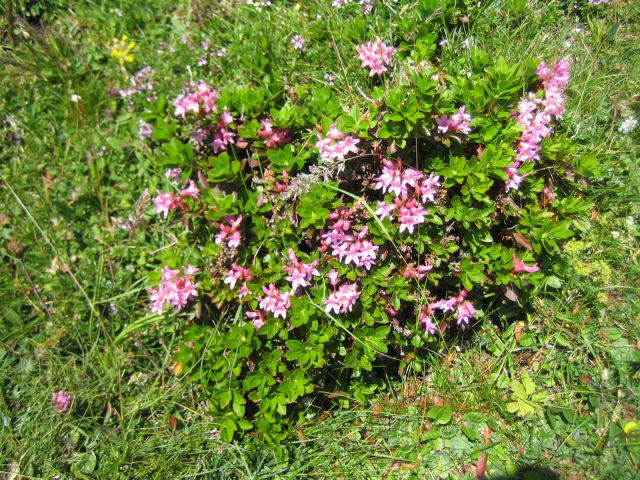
(530, 473)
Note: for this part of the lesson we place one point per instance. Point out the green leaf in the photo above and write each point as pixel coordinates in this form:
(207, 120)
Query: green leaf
(440, 415)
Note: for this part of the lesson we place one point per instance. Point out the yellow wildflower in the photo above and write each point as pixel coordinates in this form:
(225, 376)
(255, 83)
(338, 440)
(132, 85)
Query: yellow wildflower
(121, 50)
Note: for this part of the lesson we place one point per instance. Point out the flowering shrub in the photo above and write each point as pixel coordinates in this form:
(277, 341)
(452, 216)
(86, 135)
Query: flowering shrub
(317, 243)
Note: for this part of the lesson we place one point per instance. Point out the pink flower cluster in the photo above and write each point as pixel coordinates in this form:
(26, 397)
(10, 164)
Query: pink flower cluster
(342, 299)
(555, 81)
(520, 266)
(409, 186)
(238, 274)
(349, 246)
(61, 401)
(375, 56)
(175, 289)
(223, 137)
(459, 122)
(229, 231)
(274, 301)
(201, 99)
(535, 115)
(464, 308)
(336, 146)
(273, 136)
(300, 274)
(166, 202)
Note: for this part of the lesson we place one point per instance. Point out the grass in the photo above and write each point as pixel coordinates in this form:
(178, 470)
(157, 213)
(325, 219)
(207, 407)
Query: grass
(72, 282)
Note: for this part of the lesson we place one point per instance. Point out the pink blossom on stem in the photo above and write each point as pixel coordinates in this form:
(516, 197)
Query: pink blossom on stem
(347, 245)
(459, 122)
(427, 323)
(300, 274)
(165, 202)
(343, 299)
(274, 301)
(375, 56)
(520, 266)
(236, 274)
(273, 136)
(336, 146)
(410, 214)
(201, 98)
(465, 311)
(229, 231)
(175, 289)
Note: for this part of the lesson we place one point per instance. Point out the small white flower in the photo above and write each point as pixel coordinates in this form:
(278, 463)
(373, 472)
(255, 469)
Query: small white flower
(628, 125)
(615, 234)
(75, 98)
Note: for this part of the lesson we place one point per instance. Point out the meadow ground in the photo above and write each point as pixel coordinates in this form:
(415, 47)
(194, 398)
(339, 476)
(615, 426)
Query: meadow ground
(553, 395)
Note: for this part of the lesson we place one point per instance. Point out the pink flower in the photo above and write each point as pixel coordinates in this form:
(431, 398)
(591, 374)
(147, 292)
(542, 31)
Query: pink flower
(520, 266)
(465, 311)
(336, 146)
(392, 178)
(385, 210)
(222, 140)
(237, 273)
(300, 274)
(273, 136)
(229, 231)
(375, 56)
(535, 116)
(61, 401)
(274, 301)
(410, 214)
(333, 276)
(244, 290)
(191, 191)
(427, 323)
(445, 305)
(165, 202)
(201, 98)
(347, 245)
(225, 119)
(258, 318)
(175, 289)
(459, 122)
(343, 299)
